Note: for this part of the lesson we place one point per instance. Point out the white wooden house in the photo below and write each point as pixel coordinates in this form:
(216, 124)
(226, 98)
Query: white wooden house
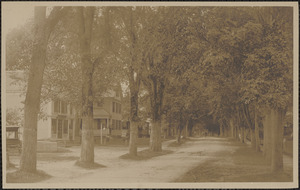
(58, 121)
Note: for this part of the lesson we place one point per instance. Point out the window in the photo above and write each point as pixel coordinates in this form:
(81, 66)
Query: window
(71, 124)
(98, 124)
(53, 126)
(113, 107)
(63, 107)
(11, 134)
(65, 128)
(118, 108)
(56, 106)
(113, 124)
(59, 123)
(71, 109)
(117, 124)
(60, 107)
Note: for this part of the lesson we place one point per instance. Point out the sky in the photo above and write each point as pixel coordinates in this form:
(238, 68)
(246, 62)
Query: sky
(15, 15)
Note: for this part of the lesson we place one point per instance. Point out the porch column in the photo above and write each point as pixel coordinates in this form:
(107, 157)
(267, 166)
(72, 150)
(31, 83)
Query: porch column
(74, 125)
(107, 126)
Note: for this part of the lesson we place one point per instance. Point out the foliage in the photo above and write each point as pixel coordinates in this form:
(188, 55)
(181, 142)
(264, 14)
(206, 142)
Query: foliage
(62, 79)
(193, 61)
(246, 60)
(14, 117)
(18, 47)
(269, 67)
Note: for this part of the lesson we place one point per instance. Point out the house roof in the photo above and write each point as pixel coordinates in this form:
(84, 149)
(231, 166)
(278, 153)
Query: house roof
(12, 128)
(100, 113)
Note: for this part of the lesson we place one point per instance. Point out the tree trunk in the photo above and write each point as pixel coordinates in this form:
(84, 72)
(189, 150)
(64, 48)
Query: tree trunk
(134, 89)
(276, 118)
(165, 131)
(86, 16)
(87, 142)
(228, 131)
(231, 123)
(242, 134)
(32, 100)
(77, 126)
(155, 137)
(237, 133)
(156, 87)
(253, 141)
(170, 134)
(257, 138)
(186, 129)
(134, 85)
(267, 138)
(7, 159)
(190, 128)
(133, 138)
(245, 135)
(190, 132)
(179, 135)
(221, 130)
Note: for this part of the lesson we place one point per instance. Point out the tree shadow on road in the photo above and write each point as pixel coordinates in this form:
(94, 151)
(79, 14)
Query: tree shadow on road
(145, 155)
(85, 165)
(26, 177)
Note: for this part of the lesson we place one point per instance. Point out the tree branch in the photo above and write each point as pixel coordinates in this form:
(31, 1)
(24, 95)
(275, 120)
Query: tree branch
(56, 15)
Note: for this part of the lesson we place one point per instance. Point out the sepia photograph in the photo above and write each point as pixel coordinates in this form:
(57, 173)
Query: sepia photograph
(149, 94)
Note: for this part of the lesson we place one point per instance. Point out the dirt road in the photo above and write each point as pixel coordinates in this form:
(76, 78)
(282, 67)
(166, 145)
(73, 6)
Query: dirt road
(162, 169)
(165, 168)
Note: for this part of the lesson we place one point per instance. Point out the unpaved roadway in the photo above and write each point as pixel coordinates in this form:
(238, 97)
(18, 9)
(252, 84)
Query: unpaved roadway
(161, 169)
(164, 168)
